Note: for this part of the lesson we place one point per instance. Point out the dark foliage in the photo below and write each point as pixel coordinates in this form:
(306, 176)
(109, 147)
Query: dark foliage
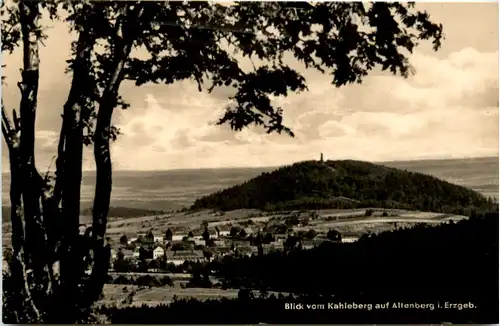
(123, 240)
(455, 263)
(345, 184)
(199, 281)
(353, 38)
(334, 235)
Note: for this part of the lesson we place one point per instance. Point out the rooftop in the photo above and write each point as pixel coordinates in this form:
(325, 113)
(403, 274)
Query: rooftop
(127, 252)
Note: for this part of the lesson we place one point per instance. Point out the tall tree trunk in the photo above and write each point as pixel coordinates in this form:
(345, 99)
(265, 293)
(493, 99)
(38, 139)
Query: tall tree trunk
(102, 198)
(35, 241)
(23, 304)
(70, 172)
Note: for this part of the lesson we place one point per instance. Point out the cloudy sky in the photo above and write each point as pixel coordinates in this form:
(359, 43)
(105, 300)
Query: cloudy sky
(448, 109)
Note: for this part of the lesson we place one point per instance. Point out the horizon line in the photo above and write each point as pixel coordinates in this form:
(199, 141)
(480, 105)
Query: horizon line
(276, 166)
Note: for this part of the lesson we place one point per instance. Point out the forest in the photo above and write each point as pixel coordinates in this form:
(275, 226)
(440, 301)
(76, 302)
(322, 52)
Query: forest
(454, 263)
(346, 184)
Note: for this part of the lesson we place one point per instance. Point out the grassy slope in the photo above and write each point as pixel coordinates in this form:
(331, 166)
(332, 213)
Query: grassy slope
(344, 184)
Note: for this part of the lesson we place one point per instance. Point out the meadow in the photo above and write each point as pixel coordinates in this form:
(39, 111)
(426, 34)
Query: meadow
(342, 220)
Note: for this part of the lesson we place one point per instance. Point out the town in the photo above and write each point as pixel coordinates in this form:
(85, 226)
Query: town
(174, 248)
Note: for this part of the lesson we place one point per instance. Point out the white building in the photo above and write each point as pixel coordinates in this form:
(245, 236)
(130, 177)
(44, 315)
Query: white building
(248, 231)
(211, 232)
(199, 242)
(349, 239)
(179, 237)
(179, 257)
(224, 233)
(158, 252)
(127, 254)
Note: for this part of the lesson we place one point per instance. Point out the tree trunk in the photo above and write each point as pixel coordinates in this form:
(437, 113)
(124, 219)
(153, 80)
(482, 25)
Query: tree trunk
(22, 304)
(102, 198)
(35, 242)
(69, 174)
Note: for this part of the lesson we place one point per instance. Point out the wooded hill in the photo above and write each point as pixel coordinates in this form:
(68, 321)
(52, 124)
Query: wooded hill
(345, 184)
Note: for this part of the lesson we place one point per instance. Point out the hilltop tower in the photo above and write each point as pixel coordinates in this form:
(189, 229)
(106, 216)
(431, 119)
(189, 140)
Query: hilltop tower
(321, 158)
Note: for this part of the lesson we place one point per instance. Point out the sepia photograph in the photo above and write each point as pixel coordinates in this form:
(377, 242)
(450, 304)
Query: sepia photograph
(249, 162)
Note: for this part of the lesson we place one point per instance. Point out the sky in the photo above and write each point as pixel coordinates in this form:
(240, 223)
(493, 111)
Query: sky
(448, 109)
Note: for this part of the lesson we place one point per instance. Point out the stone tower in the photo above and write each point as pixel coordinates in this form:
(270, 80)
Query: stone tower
(321, 159)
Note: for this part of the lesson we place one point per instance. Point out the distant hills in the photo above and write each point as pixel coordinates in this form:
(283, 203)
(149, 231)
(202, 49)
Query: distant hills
(346, 184)
(114, 212)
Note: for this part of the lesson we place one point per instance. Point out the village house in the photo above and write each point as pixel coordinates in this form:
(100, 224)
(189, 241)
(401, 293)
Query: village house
(179, 236)
(307, 244)
(128, 254)
(249, 231)
(280, 237)
(113, 254)
(131, 240)
(213, 233)
(220, 243)
(199, 242)
(158, 252)
(137, 252)
(278, 243)
(198, 235)
(272, 247)
(224, 230)
(222, 251)
(350, 237)
(181, 256)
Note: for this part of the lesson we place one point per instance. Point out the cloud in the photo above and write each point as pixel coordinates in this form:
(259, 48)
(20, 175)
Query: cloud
(448, 109)
(442, 111)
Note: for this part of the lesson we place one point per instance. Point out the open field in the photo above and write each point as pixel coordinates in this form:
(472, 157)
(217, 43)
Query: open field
(372, 224)
(331, 218)
(113, 294)
(164, 295)
(173, 276)
(349, 220)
